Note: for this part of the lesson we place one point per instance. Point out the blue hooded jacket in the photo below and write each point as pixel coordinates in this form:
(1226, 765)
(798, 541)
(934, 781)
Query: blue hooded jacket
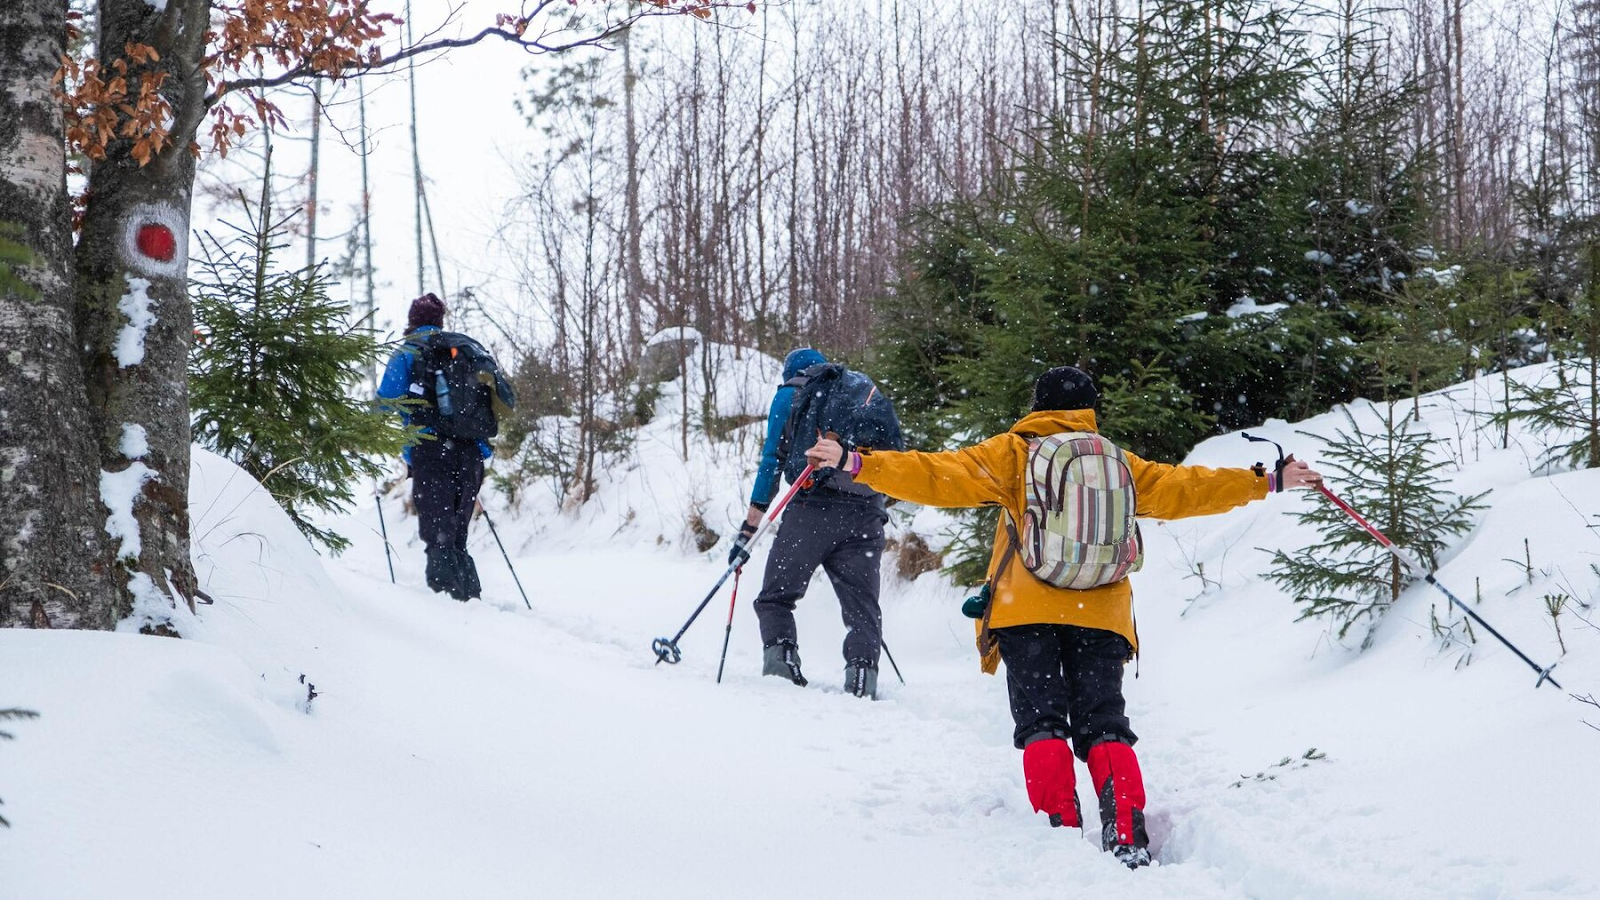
(777, 416)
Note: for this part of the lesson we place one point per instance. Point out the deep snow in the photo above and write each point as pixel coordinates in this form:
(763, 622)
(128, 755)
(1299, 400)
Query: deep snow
(483, 750)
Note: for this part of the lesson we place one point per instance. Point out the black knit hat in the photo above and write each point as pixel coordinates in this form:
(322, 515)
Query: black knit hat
(1064, 387)
(425, 310)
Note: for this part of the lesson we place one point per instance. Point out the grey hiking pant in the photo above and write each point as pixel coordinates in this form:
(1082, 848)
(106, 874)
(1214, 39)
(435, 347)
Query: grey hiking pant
(843, 535)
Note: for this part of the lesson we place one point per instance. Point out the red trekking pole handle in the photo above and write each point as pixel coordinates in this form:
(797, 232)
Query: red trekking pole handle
(1361, 520)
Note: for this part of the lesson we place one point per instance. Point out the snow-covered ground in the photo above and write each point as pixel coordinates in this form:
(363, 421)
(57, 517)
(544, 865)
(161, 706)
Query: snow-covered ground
(485, 750)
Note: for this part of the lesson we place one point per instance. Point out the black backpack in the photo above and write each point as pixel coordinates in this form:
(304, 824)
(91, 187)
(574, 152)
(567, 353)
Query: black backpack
(460, 384)
(831, 398)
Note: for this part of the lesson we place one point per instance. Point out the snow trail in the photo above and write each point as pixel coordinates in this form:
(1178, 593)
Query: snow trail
(483, 750)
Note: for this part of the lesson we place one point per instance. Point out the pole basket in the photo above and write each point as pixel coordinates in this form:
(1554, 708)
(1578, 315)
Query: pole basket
(666, 651)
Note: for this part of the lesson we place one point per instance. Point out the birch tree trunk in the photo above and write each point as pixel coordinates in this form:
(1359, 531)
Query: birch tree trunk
(55, 561)
(134, 316)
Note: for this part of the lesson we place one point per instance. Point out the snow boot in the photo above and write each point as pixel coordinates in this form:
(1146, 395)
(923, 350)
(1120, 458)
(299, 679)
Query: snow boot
(782, 658)
(441, 572)
(1052, 786)
(467, 584)
(861, 679)
(1114, 772)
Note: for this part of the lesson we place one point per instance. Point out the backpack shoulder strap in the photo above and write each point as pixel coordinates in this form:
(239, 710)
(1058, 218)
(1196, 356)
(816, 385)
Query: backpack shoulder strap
(986, 640)
(419, 345)
(786, 436)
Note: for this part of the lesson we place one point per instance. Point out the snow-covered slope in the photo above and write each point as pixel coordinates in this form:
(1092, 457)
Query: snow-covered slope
(485, 750)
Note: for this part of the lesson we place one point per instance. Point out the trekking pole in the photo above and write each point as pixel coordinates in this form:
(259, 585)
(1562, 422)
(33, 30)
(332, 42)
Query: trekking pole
(891, 657)
(1416, 566)
(666, 649)
(504, 556)
(728, 632)
(384, 529)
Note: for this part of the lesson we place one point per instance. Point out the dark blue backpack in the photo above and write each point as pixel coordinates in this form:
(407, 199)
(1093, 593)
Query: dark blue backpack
(461, 386)
(832, 398)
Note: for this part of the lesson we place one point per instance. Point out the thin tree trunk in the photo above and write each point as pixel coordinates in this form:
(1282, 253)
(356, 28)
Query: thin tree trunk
(1458, 139)
(416, 157)
(366, 230)
(311, 175)
(633, 274)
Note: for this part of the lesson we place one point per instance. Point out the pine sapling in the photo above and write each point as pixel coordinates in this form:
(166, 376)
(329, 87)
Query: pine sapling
(18, 714)
(274, 370)
(1392, 474)
(1568, 412)
(1525, 564)
(1446, 632)
(1554, 604)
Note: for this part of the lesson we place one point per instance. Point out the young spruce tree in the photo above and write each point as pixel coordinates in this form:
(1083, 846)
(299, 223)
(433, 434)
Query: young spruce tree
(18, 714)
(1567, 413)
(272, 370)
(1391, 475)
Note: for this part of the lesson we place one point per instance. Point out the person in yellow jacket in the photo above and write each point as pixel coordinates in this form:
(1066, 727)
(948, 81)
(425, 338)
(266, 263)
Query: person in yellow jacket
(1064, 649)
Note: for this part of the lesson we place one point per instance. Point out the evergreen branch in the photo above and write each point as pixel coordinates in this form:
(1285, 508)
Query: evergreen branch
(18, 714)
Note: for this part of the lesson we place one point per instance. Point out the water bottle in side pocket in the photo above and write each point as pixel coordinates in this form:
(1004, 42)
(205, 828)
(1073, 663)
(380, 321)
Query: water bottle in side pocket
(441, 393)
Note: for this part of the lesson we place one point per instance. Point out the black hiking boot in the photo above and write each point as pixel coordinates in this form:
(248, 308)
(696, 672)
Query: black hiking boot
(782, 658)
(1131, 856)
(1114, 769)
(1131, 850)
(861, 679)
(470, 588)
(441, 571)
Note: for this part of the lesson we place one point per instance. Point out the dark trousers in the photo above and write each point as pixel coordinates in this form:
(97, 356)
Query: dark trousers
(844, 537)
(445, 477)
(1066, 681)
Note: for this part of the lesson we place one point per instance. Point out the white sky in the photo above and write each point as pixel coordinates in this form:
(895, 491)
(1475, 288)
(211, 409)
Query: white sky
(469, 136)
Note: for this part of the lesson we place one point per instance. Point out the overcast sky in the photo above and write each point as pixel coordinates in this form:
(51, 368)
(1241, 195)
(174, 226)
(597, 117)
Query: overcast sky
(470, 134)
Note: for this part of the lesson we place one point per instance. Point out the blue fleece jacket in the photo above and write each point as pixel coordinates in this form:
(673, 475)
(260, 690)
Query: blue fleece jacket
(396, 383)
(767, 476)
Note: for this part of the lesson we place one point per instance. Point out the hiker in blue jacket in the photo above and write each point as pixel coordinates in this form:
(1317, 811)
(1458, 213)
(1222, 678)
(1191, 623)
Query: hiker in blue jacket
(837, 525)
(446, 473)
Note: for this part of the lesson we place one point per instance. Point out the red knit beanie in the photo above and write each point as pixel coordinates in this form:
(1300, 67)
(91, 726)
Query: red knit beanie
(425, 310)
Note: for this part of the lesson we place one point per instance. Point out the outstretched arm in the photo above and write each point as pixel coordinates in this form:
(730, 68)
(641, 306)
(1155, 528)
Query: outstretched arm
(981, 475)
(1176, 492)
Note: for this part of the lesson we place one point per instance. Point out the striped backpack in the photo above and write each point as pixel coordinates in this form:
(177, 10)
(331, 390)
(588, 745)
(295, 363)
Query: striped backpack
(1078, 528)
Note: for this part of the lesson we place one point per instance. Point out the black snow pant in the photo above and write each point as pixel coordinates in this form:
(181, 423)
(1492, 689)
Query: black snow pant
(1066, 681)
(843, 535)
(445, 477)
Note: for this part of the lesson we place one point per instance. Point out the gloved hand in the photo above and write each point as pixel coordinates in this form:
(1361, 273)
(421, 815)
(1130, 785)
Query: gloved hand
(738, 555)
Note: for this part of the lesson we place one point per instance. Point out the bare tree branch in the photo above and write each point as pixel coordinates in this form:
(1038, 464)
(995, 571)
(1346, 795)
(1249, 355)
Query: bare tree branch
(306, 69)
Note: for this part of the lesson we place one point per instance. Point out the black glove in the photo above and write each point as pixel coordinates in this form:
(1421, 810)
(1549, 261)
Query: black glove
(738, 556)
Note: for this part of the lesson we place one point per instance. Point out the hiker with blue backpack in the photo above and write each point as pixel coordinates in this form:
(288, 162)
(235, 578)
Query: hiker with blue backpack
(834, 522)
(457, 399)
(1057, 607)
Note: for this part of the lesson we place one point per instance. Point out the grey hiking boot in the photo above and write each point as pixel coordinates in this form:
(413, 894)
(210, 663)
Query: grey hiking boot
(782, 658)
(861, 679)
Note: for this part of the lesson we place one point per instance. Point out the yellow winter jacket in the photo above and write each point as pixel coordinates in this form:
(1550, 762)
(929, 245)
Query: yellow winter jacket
(993, 474)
